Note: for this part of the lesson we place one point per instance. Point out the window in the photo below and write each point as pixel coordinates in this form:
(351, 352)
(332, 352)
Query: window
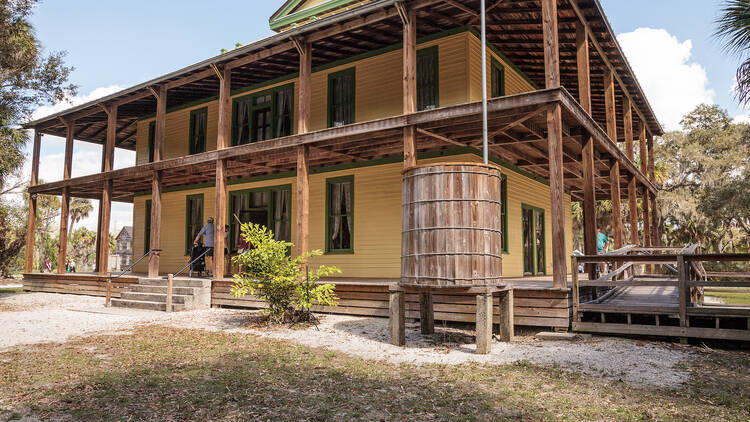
(427, 78)
(534, 253)
(264, 115)
(498, 79)
(151, 141)
(193, 220)
(341, 98)
(147, 228)
(340, 215)
(270, 207)
(198, 125)
(504, 216)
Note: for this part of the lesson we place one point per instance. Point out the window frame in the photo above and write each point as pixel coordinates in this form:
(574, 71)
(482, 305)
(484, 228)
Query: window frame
(496, 65)
(434, 52)
(151, 140)
(188, 234)
(269, 209)
(346, 72)
(535, 212)
(274, 92)
(147, 228)
(329, 183)
(193, 113)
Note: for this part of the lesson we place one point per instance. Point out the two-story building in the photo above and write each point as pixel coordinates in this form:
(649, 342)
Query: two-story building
(308, 131)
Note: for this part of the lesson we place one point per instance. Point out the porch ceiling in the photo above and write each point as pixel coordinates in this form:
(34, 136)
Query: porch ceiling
(517, 125)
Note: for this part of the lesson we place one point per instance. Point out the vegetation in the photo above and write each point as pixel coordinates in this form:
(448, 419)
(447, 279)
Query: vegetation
(159, 373)
(282, 281)
(734, 33)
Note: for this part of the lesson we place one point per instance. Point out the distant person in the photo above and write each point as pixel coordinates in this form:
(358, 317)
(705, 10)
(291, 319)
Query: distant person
(47, 265)
(72, 266)
(67, 266)
(208, 242)
(602, 243)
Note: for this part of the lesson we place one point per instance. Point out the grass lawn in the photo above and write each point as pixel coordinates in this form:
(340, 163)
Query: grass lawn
(159, 373)
(11, 290)
(731, 297)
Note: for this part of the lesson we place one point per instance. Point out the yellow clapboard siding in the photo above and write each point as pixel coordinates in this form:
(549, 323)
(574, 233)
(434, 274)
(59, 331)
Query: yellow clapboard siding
(514, 82)
(377, 219)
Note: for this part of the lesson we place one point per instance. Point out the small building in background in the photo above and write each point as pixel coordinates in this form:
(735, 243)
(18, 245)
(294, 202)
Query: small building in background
(124, 248)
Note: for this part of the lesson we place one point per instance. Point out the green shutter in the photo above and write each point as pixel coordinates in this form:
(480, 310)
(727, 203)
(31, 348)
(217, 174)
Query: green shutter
(333, 214)
(428, 84)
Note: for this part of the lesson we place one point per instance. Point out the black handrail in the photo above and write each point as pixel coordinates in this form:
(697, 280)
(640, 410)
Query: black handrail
(135, 263)
(193, 261)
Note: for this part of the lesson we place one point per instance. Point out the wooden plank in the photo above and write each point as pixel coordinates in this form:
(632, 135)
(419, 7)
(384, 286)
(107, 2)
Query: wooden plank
(662, 330)
(557, 197)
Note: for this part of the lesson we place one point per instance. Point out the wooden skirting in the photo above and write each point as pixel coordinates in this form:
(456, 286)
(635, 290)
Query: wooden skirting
(536, 307)
(79, 284)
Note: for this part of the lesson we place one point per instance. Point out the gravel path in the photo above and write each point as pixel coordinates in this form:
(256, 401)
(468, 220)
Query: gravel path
(42, 317)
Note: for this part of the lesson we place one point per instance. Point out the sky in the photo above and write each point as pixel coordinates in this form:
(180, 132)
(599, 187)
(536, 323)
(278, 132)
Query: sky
(115, 45)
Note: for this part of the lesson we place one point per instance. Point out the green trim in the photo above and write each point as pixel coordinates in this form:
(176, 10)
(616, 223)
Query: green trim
(172, 109)
(504, 205)
(329, 182)
(193, 113)
(269, 207)
(282, 19)
(505, 58)
(536, 211)
(434, 54)
(147, 228)
(151, 141)
(343, 73)
(497, 91)
(188, 217)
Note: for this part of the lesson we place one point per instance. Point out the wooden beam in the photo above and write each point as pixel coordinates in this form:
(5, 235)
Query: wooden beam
(105, 203)
(155, 235)
(303, 198)
(409, 20)
(633, 211)
(557, 197)
(203, 74)
(62, 250)
(225, 110)
(31, 221)
(305, 88)
(584, 70)
(551, 44)
(643, 150)
(609, 105)
(614, 181)
(220, 217)
(589, 202)
(462, 7)
(69, 140)
(646, 201)
(440, 137)
(161, 123)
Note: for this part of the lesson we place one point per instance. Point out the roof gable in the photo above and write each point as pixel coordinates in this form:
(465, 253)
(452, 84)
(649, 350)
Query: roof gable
(298, 12)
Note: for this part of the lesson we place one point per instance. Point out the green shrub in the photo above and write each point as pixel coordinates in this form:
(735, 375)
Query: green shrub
(284, 282)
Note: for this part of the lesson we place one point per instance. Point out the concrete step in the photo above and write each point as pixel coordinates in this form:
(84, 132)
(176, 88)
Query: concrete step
(143, 288)
(151, 306)
(157, 297)
(178, 282)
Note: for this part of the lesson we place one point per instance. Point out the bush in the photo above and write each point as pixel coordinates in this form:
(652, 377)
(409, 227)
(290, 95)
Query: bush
(270, 273)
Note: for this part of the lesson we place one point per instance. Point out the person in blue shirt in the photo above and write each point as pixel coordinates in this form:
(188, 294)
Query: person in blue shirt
(602, 242)
(208, 242)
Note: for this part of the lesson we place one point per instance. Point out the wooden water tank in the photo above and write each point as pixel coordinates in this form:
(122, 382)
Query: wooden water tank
(451, 223)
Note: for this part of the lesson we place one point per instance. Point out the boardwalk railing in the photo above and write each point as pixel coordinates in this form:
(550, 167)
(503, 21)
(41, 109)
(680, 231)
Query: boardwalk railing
(661, 292)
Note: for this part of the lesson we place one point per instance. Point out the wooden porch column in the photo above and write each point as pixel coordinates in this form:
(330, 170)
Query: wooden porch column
(655, 237)
(220, 200)
(161, 117)
(646, 199)
(627, 111)
(65, 200)
(31, 222)
(645, 157)
(554, 143)
(105, 204)
(589, 170)
(614, 181)
(303, 151)
(409, 20)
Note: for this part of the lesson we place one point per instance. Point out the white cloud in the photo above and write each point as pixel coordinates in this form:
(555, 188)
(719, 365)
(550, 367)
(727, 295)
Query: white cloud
(673, 81)
(742, 118)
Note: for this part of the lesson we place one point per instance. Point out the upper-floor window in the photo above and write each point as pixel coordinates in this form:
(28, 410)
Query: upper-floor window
(151, 141)
(264, 115)
(341, 90)
(498, 79)
(198, 127)
(427, 79)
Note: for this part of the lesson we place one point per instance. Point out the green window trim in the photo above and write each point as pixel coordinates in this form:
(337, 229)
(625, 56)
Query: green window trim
(200, 146)
(151, 140)
(504, 220)
(537, 212)
(431, 99)
(232, 222)
(189, 228)
(329, 182)
(351, 97)
(272, 106)
(147, 228)
(497, 76)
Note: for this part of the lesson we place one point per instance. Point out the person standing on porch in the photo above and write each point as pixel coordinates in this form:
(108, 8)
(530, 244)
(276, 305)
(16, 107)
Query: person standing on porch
(208, 242)
(602, 242)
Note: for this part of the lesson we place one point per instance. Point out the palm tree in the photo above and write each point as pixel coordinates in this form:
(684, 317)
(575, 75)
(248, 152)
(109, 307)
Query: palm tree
(733, 30)
(79, 209)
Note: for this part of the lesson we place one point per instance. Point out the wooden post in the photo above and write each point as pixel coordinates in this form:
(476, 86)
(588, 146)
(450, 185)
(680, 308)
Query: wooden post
(305, 87)
(65, 200)
(426, 313)
(643, 150)
(627, 112)
(31, 222)
(303, 151)
(584, 71)
(589, 170)
(576, 293)
(153, 263)
(161, 124)
(682, 288)
(225, 110)
(484, 323)
(614, 181)
(609, 105)
(554, 142)
(646, 199)
(170, 284)
(220, 212)
(108, 295)
(654, 216)
(397, 316)
(105, 204)
(409, 20)
(633, 210)
(507, 329)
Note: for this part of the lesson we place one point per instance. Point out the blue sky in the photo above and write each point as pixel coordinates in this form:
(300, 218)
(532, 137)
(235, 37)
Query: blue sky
(114, 45)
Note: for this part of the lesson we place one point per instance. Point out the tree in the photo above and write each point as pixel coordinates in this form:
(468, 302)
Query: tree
(12, 239)
(79, 209)
(282, 281)
(83, 248)
(734, 33)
